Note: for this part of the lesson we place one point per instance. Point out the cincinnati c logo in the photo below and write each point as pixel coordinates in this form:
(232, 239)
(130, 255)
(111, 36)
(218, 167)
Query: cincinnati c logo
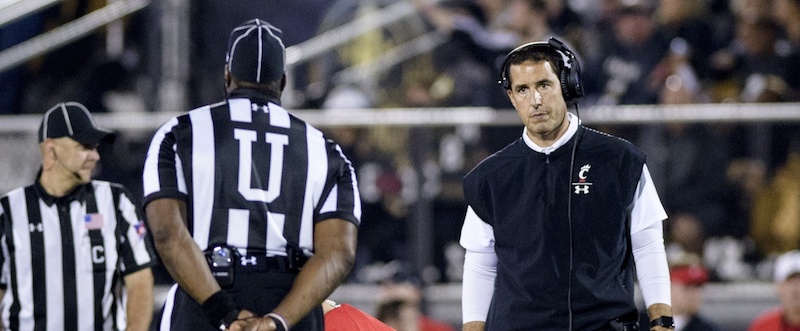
(582, 186)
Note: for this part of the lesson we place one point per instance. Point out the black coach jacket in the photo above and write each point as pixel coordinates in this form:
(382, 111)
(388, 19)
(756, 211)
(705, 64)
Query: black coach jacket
(551, 261)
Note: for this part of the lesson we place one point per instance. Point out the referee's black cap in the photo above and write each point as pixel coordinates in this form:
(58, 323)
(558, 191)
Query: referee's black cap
(256, 52)
(72, 119)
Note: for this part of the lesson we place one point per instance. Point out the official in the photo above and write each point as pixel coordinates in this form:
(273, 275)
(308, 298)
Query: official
(557, 218)
(67, 240)
(254, 212)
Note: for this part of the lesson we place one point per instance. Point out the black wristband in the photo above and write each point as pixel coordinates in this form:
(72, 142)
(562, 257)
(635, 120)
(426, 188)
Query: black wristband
(221, 309)
(663, 321)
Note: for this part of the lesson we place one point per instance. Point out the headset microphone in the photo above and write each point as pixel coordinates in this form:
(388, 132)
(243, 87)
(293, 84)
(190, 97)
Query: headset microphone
(73, 172)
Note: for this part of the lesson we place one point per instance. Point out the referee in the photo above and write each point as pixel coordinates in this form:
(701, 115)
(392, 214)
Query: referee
(68, 240)
(253, 211)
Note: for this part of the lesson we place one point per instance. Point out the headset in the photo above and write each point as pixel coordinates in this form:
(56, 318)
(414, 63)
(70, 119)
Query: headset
(570, 75)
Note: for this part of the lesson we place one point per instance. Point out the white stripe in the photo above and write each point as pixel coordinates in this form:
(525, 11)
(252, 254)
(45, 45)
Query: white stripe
(6, 301)
(260, 53)
(22, 246)
(278, 116)
(121, 313)
(106, 208)
(84, 273)
(280, 41)
(315, 182)
(276, 242)
(203, 165)
(136, 242)
(179, 173)
(235, 43)
(150, 182)
(238, 227)
(54, 279)
(88, 115)
(66, 119)
(246, 139)
(241, 110)
(85, 111)
(169, 304)
(356, 194)
(329, 205)
(46, 121)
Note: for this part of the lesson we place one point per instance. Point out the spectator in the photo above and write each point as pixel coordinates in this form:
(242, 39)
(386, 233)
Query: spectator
(626, 58)
(694, 181)
(785, 317)
(687, 20)
(564, 21)
(688, 277)
(473, 47)
(787, 14)
(762, 68)
(688, 280)
(401, 305)
(399, 314)
(344, 317)
(775, 225)
(686, 234)
(528, 19)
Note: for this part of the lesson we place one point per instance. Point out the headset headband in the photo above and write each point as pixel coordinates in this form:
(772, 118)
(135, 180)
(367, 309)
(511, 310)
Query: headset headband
(571, 85)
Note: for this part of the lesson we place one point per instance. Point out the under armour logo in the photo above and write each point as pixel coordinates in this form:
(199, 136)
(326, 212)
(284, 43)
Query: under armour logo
(35, 227)
(582, 189)
(245, 261)
(256, 107)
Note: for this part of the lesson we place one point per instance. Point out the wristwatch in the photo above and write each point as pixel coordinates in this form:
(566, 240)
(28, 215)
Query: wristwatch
(663, 321)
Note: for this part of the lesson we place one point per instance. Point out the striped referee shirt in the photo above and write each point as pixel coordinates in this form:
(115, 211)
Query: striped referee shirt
(63, 258)
(253, 176)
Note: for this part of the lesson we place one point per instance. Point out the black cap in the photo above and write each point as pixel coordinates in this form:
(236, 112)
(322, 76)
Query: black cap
(72, 119)
(256, 52)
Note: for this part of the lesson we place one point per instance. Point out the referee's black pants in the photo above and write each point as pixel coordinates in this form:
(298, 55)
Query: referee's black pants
(258, 292)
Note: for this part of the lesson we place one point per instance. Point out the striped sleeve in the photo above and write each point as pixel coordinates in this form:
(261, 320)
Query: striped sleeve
(163, 174)
(3, 266)
(136, 251)
(343, 199)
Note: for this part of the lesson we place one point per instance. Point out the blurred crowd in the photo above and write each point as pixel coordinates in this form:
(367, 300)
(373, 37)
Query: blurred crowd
(732, 190)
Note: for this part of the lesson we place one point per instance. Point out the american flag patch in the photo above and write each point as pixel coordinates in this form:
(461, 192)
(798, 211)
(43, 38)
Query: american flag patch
(141, 229)
(93, 221)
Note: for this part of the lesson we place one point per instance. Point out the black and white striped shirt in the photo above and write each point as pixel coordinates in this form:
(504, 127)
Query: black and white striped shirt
(254, 176)
(63, 258)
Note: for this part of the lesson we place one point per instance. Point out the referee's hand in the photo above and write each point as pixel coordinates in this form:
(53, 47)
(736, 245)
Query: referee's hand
(252, 323)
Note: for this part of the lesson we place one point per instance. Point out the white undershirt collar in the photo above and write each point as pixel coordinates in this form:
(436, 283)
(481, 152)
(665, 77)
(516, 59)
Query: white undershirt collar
(573, 127)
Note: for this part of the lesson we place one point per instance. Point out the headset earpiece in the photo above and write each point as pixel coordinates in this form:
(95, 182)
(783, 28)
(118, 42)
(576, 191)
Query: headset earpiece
(570, 75)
